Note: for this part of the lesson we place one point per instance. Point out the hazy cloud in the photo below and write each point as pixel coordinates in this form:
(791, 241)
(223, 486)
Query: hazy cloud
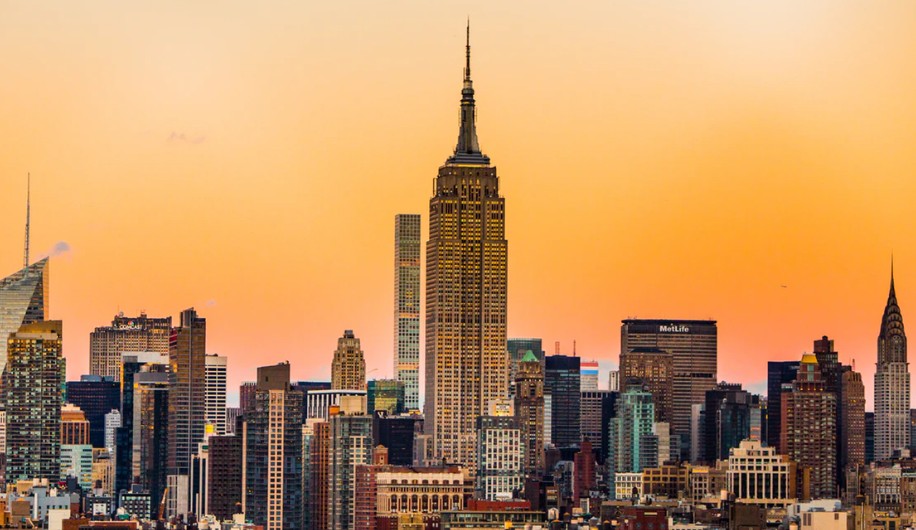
(211, 303)
(176, 137)
(59, 248)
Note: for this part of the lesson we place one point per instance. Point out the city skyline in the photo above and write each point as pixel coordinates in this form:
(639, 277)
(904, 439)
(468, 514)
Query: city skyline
(812, 261)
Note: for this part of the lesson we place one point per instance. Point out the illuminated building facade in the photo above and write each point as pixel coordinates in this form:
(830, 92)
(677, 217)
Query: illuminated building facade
(23, 300)
(892, 382)
(693, 345)
(126, 334)
(466, 279)
(32, 383)
(348, 369)
(407, 306)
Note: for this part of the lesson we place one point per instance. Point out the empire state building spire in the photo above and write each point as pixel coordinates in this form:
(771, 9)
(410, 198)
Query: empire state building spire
(468, 149)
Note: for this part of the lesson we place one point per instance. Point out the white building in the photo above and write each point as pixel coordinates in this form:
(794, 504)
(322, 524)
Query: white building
(588, 376)
(216, 392)
(319, 402)
(757, 475)
(500, 454)
(112, 422)
(76, 461)
(627, 484)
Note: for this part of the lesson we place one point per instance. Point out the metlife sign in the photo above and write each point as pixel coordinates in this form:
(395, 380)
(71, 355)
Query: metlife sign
(673, 328)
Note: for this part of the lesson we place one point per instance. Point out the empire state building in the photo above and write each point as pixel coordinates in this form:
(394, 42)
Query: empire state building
(466, 276)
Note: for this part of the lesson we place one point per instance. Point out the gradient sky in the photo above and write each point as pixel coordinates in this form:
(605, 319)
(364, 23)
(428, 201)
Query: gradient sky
(659, 159)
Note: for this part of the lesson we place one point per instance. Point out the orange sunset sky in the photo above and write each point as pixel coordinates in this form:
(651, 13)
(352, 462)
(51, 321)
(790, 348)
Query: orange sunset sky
(666, 159)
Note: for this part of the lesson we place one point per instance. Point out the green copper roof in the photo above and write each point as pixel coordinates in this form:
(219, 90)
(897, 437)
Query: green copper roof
(529, 357)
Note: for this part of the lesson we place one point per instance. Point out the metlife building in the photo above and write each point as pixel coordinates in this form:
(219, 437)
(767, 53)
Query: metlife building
(693, 346)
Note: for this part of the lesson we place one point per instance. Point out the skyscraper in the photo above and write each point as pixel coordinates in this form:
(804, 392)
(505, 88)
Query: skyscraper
(529, 408)
(466, 278)
(809, 427)
(407, 306)
(350, 446)
(225, 475)
(562, 383)
(150, 420)
(23, 300)
(892, 382)
(385, 394)
(187, 390)
(348, 369)
(126, 334)
(519, 348)
(74, 427)
(726, 421)
(654, 368)
(694, 350)
(32, 383)
(215, 373)
(852, 418)
(131, 365)
(779, 374)
(630, 430)
(588, 376)
(272, 452)
(96, 396)
(500, 454)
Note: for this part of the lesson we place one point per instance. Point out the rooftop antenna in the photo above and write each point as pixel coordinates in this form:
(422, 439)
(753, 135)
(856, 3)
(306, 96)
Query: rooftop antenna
(556, 347)
(574, 348)
(28, 205)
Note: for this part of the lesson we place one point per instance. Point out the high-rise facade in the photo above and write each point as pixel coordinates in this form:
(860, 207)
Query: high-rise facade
(588, 376)
(562, 383)
(124, 335)
(74, 427)
(654, 368)
(631, 428)
(131, 365)
(23, 300)
(215, 373)
(852, 418)
(187, 390)
(317, 501)
(385, 394)
(32, 384)
(780, 375)
(809, 428)
(892, 382)
(519, 348)
(225, 475)
(112, 423)
(693, 345)
(593, 416)
(726, 421)
(397, 434)
(500, 454)
(348, 369)
(466, 287)
(150, 424)
(529, 409)
(350, 446)
(585, 477)
(96, 396)
(407, 306)
(272, 452)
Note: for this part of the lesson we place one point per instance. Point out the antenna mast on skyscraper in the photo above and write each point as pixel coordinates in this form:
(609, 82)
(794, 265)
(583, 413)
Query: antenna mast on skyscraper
(28, 205)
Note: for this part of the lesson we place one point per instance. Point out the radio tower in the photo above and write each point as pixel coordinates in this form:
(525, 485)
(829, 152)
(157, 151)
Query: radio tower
(28, 201)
